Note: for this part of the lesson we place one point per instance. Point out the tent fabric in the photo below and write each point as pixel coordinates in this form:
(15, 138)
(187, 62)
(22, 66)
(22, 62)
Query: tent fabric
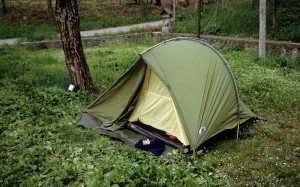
(198, 80)
(200, 83)
(155, 107)
(152, 132)
(113, 106)
(128, 136)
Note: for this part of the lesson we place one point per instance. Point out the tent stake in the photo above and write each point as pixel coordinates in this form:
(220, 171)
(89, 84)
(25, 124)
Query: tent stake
(194, 154)
(238, 130)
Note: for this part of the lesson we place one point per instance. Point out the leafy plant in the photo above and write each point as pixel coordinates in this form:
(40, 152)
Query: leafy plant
(40, 144)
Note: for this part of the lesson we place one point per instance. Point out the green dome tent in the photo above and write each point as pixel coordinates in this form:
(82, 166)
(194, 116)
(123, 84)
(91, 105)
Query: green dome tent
(181, 86)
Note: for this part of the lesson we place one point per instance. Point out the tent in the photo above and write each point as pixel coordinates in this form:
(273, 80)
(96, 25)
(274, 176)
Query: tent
(182, 86)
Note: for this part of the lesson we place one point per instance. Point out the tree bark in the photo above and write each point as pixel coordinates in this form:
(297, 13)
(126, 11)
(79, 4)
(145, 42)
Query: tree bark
(200, 15)
(3, 7)
(68, 21)
(262, 29)
(50, 12)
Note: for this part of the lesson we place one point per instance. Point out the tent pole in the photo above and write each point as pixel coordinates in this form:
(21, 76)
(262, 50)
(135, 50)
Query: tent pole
(238, 120)
(236, 93)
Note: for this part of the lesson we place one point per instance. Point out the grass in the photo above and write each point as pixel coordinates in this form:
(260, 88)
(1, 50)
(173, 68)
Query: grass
(42, 146)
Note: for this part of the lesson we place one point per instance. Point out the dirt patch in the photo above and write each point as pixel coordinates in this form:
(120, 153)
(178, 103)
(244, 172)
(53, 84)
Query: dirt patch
(113, 9)
(19, 14)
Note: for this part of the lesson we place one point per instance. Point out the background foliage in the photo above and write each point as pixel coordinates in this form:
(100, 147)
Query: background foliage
(242, 20)
(238, 19)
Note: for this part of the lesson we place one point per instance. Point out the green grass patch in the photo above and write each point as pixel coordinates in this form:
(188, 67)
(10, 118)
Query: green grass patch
(40, 144)
(30, 32)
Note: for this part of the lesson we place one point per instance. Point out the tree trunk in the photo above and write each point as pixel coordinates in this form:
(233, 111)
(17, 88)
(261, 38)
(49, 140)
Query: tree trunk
(275, 11)
(3, 7)
(142, 4)
(262, 29)
(187, 3)
(68, 21)
(200, 15)
(158, 3)
(144, 7)
(283, 3)
(174, 11)
(50, 12)
(253, 4)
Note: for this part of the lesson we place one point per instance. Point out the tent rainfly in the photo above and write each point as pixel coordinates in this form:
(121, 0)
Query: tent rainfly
(182, 86)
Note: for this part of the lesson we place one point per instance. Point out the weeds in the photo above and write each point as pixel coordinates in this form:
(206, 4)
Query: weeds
(40, 144)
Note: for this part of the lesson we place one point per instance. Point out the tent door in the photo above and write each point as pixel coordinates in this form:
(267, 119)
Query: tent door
(156, 108)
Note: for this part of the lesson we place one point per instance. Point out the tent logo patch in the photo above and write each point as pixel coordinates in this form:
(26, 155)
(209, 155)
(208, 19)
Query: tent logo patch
(202, 130)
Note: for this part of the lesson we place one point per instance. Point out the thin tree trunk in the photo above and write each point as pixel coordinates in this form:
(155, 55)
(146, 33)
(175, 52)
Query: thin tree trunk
(50, 12)
(69, 25)
(200, 15)
(196, 4)
(262, 29)
(3, 7)
(174, 11)
(275, 11)
(187, 3)
(158, 3)
(283, 3)
(143, 7)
